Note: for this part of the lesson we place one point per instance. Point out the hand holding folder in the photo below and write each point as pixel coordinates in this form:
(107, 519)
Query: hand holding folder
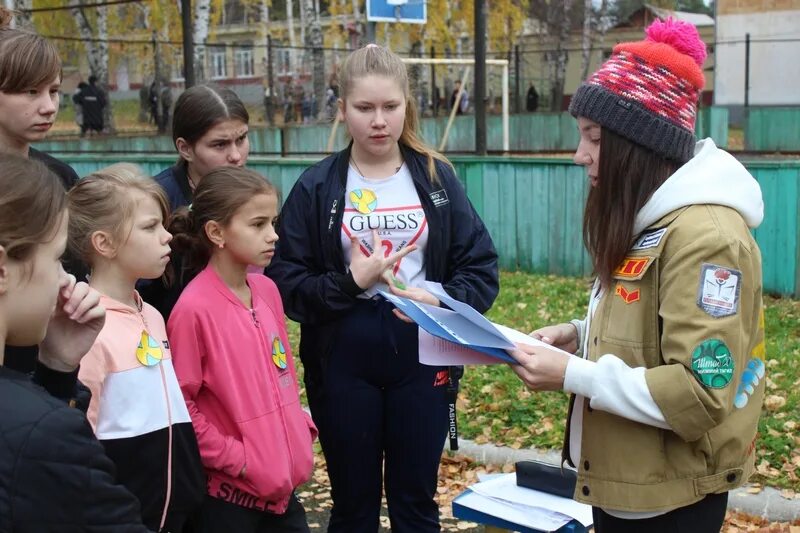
(458, 334)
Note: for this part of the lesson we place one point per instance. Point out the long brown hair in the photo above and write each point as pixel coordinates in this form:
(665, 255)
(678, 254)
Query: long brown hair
(628, 175)
(218, 196)
(27, 59)
(202, 107)
(31, 205)
(379, 61)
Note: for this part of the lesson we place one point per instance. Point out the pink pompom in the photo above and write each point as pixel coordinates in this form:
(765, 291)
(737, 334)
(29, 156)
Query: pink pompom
(680, 35)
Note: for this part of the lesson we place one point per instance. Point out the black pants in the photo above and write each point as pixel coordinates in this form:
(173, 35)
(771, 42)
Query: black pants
(705, 516)
(382, 419)
(219, 516)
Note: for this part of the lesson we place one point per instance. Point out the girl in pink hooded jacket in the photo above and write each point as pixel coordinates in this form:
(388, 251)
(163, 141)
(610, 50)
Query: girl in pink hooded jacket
(231, 355)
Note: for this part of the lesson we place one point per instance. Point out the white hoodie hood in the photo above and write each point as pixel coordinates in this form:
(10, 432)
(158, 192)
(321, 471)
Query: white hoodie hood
(712, 176)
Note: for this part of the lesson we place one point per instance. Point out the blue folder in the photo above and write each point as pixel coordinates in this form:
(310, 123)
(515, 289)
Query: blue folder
(467, 513)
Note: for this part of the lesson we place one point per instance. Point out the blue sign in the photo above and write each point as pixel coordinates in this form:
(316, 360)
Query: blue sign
(409, 11)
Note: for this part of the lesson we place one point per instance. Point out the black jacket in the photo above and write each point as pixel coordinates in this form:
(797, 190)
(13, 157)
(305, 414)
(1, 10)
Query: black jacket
(93, 101)
(54, 474)
(175, 183)
(309, 266)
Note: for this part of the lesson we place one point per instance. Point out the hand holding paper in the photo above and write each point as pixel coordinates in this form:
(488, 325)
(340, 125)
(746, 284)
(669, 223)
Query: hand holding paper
(540, 367)
(457, 334)
(412, 293)
(561, 336)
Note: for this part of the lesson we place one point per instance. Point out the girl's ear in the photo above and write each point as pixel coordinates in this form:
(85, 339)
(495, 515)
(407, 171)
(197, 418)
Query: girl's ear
(4, 271)
(184, 149)
(340, 105)
(103, 244)
(215, 233)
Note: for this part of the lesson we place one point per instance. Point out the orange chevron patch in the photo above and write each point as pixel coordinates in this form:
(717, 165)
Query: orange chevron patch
(633, 267)
(628, 297)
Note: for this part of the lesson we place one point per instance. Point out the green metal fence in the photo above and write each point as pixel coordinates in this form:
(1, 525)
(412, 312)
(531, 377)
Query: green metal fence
(772, 129)
(533, 208)
(529, 132)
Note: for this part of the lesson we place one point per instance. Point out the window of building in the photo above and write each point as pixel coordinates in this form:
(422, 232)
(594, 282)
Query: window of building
(243, 59)
(219, 67)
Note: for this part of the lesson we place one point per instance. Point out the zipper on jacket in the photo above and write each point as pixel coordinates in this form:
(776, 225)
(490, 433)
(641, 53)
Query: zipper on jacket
(168, 494)
(256, 323)
(276, 389)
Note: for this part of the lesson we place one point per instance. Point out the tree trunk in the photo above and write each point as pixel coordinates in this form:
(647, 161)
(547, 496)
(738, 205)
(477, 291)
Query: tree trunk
(561, 57)
(586, 41)
(96, 43)
(22, 17)
(292, 39)
(202, 14)
(359, 27)
(314, 42)
(265, 25)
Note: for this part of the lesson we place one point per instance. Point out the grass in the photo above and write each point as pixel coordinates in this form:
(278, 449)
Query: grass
(126, 118)
(494, 406)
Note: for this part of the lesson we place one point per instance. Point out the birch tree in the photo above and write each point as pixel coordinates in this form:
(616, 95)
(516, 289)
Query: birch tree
(586, 37)
(314, 42)
(561, 54)
(292, 38)
(202, 21)
(92, 26)
(22, 17)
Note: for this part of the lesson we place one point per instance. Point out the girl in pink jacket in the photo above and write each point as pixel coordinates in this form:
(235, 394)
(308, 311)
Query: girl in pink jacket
(231, 355)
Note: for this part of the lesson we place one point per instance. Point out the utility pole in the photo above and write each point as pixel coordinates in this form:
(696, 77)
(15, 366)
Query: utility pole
(188, 43)
(480, 77)
(434, 89)
(746, 70)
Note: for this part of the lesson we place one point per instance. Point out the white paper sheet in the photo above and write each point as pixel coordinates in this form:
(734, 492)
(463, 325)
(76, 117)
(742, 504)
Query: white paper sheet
(505, 488)
(535, 518)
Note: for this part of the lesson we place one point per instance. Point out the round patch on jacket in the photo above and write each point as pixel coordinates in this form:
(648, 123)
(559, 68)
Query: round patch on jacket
(149, 351)
(363, 200)
(279, 353)
(712, 364)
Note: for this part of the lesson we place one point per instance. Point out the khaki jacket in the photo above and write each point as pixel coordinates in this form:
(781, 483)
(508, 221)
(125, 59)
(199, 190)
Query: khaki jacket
(686, 305)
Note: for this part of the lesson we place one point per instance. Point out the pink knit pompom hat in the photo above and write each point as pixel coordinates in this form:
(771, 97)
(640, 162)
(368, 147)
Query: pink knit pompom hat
(648, 90)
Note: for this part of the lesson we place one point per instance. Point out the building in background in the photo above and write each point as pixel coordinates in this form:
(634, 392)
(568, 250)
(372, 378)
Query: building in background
(537, 46)
(774, 70)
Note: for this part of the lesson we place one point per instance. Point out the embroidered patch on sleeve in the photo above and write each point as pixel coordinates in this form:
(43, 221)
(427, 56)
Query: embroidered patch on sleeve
(718, 293)
(712, 364)
(627, 296)
(633, 267)
(649, 239)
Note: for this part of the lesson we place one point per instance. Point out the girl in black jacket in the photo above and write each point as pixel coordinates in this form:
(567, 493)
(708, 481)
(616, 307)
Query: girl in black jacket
(54, 475)
(386, 209)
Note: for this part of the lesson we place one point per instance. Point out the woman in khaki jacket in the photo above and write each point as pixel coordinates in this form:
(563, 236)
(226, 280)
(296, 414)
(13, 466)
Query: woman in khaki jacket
(667, 377)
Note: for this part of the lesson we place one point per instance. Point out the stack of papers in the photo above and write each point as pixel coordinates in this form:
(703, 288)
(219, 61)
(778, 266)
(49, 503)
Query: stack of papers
(500, 497)
(459, 335)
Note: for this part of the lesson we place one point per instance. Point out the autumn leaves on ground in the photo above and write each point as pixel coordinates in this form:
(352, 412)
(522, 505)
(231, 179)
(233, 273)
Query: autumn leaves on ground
(494, 407)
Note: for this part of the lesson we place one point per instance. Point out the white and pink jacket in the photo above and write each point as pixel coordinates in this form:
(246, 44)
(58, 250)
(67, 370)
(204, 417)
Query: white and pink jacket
(235, 369)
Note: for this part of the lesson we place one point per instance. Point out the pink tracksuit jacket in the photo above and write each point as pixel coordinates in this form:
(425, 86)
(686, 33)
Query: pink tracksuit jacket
(236, 372)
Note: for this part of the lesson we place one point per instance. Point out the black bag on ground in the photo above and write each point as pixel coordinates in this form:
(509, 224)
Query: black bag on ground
(546, 477)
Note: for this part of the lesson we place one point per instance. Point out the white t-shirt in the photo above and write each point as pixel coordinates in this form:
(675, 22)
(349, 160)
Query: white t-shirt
(392, 207)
